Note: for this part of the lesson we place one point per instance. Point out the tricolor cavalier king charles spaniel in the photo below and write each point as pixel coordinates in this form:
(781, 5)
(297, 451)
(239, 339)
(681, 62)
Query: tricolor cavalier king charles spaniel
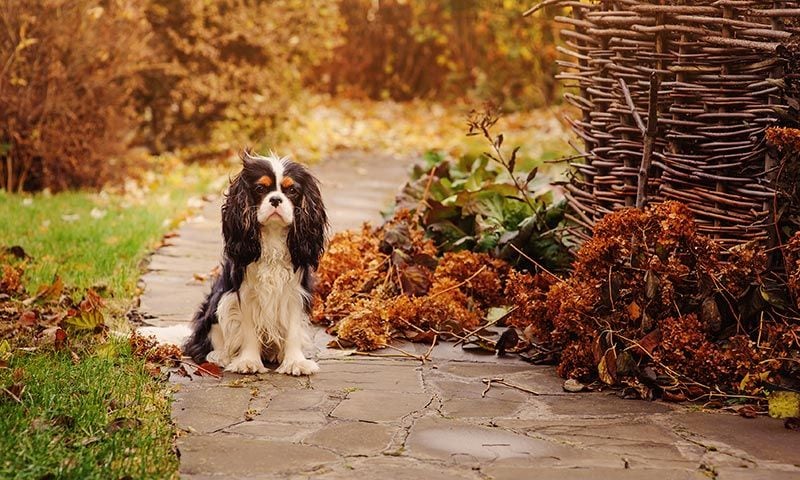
(274, 225)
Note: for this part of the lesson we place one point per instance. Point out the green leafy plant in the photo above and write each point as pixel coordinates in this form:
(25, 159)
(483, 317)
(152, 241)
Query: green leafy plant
(493, 203)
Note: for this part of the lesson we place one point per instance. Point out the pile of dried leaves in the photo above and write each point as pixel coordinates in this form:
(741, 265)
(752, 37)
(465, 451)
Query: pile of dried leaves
(384, 283)
(651, 306)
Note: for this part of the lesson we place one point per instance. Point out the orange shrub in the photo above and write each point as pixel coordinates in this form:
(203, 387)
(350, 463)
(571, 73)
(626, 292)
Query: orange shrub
(230, 68)
(404, 49)
(67, 71)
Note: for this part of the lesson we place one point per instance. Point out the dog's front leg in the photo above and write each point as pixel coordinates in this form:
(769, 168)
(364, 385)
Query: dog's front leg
(242, 344)
(294, 361)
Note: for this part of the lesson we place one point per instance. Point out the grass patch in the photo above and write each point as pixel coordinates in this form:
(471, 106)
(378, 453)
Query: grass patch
(90, 410)
(92, 239)
(98, 418)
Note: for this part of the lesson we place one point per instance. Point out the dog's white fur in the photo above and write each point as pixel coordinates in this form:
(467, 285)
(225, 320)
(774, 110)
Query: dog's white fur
(267, 313)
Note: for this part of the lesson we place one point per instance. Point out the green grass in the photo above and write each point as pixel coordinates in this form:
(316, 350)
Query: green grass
(102, 416)
(63, 237)
(98, 418)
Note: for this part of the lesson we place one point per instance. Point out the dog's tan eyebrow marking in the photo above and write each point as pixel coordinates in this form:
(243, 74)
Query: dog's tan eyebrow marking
(287, 182)
(265, 180)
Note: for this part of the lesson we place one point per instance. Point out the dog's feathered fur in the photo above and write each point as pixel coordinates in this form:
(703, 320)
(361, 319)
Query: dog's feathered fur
(274, 227)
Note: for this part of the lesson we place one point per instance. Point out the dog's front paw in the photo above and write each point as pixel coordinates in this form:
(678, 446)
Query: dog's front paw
(298, 367)
(217, 357)
(246, 365)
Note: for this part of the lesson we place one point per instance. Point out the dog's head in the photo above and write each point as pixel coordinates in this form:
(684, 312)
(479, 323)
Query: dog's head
(273, 193)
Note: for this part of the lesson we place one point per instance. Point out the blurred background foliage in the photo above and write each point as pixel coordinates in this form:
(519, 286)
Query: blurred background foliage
(89, 86)
(404, 49)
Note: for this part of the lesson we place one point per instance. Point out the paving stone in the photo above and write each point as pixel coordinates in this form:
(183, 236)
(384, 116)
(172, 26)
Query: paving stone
(446, 439)
(481, 370)
(210, 409)
(638, 442)
(464, 399)
(761, 438)
(378, 406)
(600, 404)
(353, 438)
(756, 474)
(271, 430)
(392, 468)
(350, 375)
(231, 455)
(295, 400)
(501, 472)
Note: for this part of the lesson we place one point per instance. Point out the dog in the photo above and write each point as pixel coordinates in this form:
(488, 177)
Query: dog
(274, 227)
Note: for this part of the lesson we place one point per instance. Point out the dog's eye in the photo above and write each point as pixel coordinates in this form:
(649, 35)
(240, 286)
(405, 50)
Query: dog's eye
(290, 189)
(261, 189)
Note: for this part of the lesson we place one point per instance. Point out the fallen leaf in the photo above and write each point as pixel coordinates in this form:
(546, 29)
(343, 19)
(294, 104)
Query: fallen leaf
(61, 339)
(121, 423)
(648, 343)
(607, 368)
(507, 341)
(415, 281)
(676, 397)
(792, 424)
(52, 292)
(85, 320)
(208, 369)
(16, 251)
(634, 311)
(28, 318)
(748, 411)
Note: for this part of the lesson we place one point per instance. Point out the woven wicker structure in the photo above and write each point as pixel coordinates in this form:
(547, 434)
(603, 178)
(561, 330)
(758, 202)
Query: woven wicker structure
(675, 96)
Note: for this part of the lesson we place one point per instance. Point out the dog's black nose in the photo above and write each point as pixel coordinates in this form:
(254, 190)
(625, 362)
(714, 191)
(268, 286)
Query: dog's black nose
(275, 201)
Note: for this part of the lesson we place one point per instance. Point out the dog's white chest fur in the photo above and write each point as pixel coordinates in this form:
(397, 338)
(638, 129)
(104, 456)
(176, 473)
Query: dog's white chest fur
(271, 293)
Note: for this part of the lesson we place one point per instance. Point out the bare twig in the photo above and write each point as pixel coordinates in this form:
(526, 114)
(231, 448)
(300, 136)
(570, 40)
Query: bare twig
(649, 141)
(453, 287)
(11, 394)
(489, 381)
(538, 265)
(469, 334)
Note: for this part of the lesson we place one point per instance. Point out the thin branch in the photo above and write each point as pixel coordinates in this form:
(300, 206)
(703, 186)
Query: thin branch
(538, 265)
(489, 381)
(453, 287)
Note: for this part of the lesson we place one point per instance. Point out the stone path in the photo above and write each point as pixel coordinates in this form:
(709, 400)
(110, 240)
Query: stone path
(366, 417)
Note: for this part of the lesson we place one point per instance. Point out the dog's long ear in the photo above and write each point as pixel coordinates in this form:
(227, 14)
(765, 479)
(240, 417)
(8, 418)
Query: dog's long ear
(307, 234)
(240, 226)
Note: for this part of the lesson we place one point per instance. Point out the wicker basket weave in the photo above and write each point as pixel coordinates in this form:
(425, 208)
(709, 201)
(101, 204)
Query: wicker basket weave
(713, 70)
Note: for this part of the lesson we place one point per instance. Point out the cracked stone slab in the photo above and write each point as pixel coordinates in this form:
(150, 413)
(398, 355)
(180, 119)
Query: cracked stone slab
(394, 468)
(378, 406)
(210, 409)
(759, 438)
(353, 438)
(454, 441)
(500, 472)
(232, 456)
(271, 430)
(639, 443)
(352, 375)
